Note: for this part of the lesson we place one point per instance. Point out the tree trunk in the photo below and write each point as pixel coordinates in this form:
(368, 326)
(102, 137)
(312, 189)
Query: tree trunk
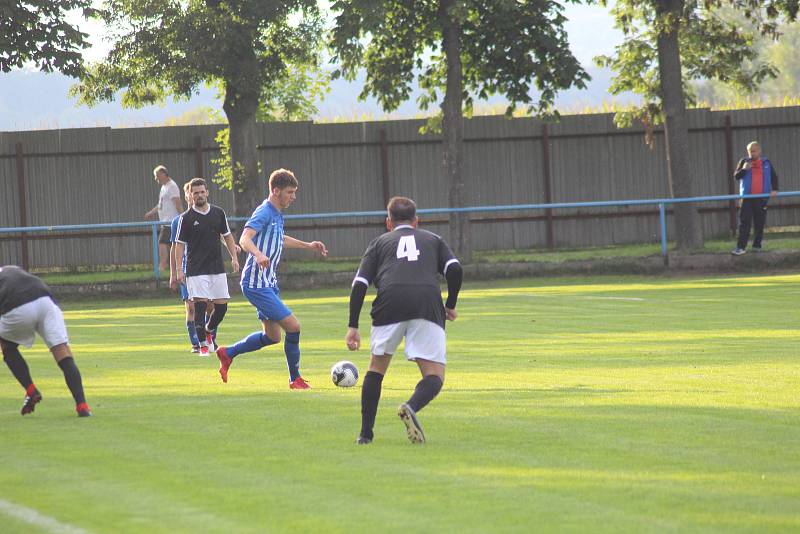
(676, 128)
(453, 130)
(248, 190)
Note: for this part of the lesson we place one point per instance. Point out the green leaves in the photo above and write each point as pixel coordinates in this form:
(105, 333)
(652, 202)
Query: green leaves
(508, 47)
(36, 31)
(712, 46)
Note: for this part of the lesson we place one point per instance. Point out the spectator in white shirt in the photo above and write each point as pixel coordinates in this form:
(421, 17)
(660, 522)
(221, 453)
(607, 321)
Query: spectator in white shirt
(169, 205)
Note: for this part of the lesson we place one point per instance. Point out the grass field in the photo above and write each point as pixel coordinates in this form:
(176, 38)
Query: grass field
(602, 405)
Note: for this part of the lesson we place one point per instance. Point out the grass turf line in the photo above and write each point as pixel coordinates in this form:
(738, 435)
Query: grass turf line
(602, 404)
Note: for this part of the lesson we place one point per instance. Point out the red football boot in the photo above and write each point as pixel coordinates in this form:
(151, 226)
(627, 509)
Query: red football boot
(299, 383)
(224, 363)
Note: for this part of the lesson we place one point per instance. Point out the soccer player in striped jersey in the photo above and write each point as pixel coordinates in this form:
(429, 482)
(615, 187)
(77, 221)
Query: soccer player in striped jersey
(263, 239)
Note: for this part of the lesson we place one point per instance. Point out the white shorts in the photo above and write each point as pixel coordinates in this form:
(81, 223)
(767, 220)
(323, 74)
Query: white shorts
(208, 286)
(40, 316)
(424, 340)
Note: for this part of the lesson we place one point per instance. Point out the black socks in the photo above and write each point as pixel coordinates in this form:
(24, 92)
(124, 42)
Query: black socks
(73, 378)
(17, 365)
(200, 319)
(216, 316)
(370, 395)
(425, 392)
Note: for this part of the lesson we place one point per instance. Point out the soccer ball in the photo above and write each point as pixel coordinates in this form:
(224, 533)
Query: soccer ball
(344, 374)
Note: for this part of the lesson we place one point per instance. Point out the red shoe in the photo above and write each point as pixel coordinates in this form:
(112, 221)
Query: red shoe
(203, 351)
(211, 342)
(29, 405)
(299, 383)
(224, 363)
(83, 410)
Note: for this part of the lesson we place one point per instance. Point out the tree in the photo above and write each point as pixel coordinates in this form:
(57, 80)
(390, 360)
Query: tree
(36, 31)
(170, 47)
(667, 44)
(463, 48)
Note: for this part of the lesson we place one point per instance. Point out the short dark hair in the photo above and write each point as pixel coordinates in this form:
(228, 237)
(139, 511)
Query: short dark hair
(197, 182)
(281, 179)
(401, 209)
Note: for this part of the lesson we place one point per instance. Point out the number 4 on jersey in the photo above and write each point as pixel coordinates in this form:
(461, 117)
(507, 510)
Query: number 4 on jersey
(407, 248)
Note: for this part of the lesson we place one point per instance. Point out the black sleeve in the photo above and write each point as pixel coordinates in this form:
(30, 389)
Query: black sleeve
(774, 183)
(740, 172)
(224, 227)
(454, 277)
(369, 264)
(357, 294)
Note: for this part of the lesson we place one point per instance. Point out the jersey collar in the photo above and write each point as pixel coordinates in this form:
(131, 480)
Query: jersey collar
(203, 212)
(403, 226)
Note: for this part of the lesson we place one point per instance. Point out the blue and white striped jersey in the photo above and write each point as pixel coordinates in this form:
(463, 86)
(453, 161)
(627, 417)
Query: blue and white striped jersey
(173, 236)
(267, 221)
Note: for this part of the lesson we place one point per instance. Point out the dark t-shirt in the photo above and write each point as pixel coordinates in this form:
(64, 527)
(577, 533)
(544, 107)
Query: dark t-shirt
(404, 265)
(200, 233)
(18, 287)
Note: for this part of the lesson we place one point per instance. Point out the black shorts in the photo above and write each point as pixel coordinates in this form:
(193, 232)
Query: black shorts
(163, 235)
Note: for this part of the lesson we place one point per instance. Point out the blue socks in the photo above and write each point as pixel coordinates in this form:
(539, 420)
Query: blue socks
(251, 343)
(257, 340)
(292, 348)
(192, 333)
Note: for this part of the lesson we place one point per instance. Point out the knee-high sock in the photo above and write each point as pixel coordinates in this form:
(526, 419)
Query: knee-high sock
(251, 343)
(370, 395)
(291, 346)
(73, 378)
(426, 390)
(216, 317)
(200, 319)
(18, 366)
(192, 333)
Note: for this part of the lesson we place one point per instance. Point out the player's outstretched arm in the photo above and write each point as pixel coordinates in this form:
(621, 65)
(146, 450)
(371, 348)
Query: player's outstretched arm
(319, 246)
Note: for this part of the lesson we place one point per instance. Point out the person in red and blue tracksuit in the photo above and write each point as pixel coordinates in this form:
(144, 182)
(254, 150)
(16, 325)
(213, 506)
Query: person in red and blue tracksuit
(756, 175)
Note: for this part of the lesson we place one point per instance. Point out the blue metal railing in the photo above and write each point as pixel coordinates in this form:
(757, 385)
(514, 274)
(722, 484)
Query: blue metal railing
(661, 202)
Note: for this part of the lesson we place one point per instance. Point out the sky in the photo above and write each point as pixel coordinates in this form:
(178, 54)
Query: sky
(34, 100)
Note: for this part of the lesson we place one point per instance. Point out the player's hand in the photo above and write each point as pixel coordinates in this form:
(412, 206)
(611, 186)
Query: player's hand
(235, 265)
(353, 339)
(173, 283)
(262, 260)
(773, 193)
(320, 247)
(452, 315)
(181, 278)
(747, 166)
(238, 249)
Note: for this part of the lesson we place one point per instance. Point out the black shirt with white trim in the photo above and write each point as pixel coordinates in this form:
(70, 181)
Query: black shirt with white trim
(18, 287)
(200, 233)
(404, 265)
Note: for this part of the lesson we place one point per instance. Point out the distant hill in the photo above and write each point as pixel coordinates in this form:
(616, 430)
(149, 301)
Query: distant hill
(32, 100)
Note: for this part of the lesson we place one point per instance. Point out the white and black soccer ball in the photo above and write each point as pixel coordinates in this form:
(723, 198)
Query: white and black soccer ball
(344, 374)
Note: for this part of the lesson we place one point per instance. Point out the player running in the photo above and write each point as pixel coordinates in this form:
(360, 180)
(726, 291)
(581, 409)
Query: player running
(263, 239)
(404, 265)
(199, 231)
(27, 307)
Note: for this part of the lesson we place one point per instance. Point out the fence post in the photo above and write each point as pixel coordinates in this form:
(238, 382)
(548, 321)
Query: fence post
(548, 181)
(662, 217)
(729, 178)
(198, 157)
(384, 166)
(22, 190)
(156, 272)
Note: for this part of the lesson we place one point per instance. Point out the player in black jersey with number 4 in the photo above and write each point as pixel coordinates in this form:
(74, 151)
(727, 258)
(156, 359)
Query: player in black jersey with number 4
(404, 265)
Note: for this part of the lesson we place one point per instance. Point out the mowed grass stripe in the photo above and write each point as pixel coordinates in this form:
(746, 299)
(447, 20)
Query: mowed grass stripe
(601, 404)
